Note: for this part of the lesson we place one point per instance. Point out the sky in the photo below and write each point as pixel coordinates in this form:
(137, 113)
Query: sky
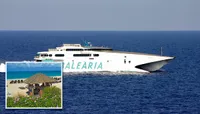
(98, 15)
(33, 66)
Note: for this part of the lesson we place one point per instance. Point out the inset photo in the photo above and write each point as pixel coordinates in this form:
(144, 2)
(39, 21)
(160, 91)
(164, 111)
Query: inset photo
(32, 85)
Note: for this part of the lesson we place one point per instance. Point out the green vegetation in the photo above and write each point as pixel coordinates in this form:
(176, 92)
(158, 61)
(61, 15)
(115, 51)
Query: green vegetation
(51, 97)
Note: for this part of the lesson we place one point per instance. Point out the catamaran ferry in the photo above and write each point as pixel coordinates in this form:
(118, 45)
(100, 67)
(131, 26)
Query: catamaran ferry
(78, 58)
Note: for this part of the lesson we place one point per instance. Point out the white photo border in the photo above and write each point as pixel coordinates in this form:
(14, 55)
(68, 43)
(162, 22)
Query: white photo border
(33, 107)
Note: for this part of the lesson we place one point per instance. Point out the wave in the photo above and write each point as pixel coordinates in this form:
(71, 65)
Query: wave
(3, 64)
(2, 67)
(102, 73)
(25, 63)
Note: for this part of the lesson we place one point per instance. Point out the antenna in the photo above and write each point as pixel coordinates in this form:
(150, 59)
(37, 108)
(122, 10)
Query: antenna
(84, 41)
(161, 51)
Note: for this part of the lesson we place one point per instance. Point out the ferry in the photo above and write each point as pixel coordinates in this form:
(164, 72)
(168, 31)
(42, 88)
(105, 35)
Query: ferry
(88, 58)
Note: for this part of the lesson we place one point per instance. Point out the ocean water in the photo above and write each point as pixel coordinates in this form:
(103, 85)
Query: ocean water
(27, 74)
(174, 90)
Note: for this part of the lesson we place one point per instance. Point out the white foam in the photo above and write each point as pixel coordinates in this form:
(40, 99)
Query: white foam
(2, 67)
(103, 73)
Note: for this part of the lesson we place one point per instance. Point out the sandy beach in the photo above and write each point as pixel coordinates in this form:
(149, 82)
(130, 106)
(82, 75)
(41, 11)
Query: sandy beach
(19, 89)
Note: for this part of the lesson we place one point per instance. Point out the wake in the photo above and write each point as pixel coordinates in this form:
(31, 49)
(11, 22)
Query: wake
(2, 67)
(102, 73)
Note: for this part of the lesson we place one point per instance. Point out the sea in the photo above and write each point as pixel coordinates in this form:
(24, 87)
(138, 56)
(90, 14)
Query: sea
(175, 89)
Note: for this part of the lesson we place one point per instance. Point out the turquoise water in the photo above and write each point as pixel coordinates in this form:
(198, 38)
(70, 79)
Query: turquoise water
(27, 74)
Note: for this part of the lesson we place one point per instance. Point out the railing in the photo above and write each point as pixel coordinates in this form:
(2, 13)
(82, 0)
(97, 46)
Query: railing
(52, 49)
(36, 57)
(73, 45)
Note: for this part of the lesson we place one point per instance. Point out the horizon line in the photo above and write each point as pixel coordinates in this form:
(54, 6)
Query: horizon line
(98, 30)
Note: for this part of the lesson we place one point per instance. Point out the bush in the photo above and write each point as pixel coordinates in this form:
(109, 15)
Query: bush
(51, 98)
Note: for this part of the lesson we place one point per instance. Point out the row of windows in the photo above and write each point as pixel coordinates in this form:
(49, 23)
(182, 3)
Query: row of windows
(82, 55)
(46, 55)
(85, 55)
(95, 55)
(50, 55)
(74, 49)
(59, 55)
(75, 55)
(98, 49)
(125, 61)
(95, 49)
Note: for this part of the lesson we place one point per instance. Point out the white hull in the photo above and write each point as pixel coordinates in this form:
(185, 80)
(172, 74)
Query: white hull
(116, 62)
(115, 65)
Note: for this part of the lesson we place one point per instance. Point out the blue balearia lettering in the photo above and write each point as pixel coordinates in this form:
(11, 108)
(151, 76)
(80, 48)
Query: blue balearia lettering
(78, 65)
(67, 66)
(90, 65)
(72, 67)
(100, 66)
(84, 65)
